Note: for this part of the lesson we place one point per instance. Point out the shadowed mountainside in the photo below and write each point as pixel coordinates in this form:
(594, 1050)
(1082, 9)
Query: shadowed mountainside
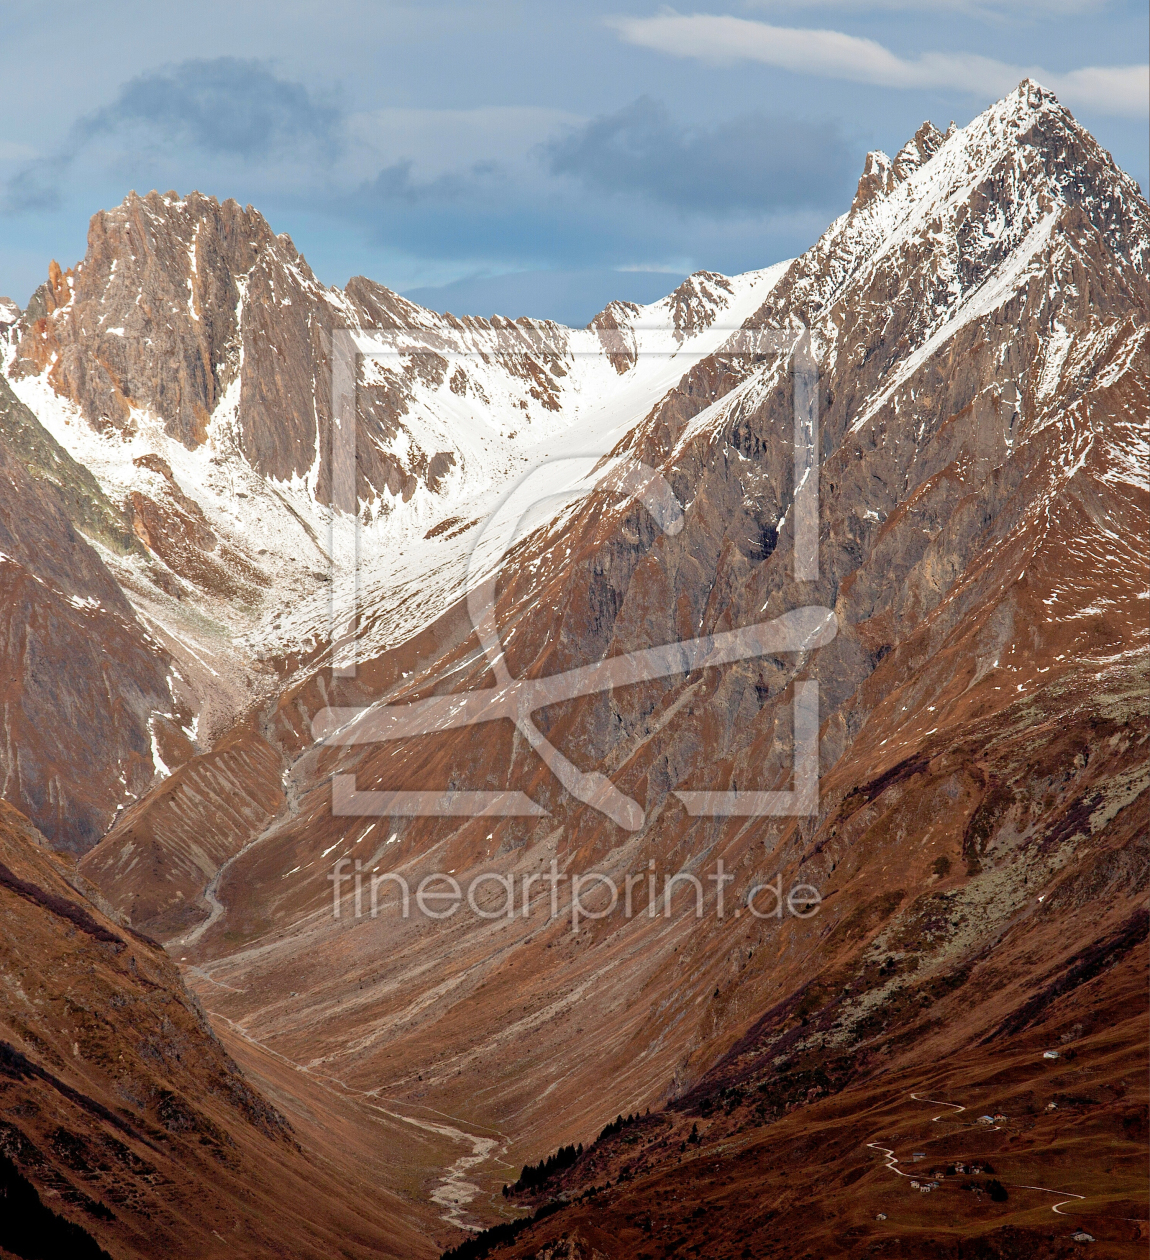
(123, 1111)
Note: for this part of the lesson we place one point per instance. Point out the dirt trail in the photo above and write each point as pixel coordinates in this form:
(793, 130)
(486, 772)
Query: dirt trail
(891, 1159)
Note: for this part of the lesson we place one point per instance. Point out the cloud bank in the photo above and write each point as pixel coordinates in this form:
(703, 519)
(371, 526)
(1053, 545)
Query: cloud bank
(224, 107)
(752, 162)
(981, 8)
(834, 55)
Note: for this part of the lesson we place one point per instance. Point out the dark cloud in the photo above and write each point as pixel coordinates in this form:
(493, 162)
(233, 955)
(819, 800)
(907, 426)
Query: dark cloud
(652, 192)
(481, 214)
(223, 107)
(490, 224)
(521, 228)
(36, 186)
(747, 164)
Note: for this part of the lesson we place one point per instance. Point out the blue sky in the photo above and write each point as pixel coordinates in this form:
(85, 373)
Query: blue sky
(526, 157)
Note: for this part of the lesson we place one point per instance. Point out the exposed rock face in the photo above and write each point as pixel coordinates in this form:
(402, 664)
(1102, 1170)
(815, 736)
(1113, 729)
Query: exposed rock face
(151, 321)
(980, 322)
(79, 678)
(966, 933)
(80, 495)
(881, 175)
(148, 320)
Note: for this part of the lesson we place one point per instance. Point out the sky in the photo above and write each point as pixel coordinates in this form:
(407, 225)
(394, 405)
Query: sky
(520, 156)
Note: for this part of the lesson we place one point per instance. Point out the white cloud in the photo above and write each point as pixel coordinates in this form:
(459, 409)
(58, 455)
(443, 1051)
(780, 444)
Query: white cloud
(1007, 8)
(835, 55)
(1107, 89)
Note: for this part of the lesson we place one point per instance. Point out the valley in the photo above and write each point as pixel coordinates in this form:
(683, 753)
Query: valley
(977, 849)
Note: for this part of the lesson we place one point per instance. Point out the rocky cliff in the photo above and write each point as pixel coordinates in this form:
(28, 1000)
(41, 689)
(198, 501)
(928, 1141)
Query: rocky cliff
(175, 388)
(80, 678)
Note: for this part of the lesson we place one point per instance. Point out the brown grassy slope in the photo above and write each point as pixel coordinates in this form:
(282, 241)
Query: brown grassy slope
(931, 994)
(810, 1185)
(124, 1111)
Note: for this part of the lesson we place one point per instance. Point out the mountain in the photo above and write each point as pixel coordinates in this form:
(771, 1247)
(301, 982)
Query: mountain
(234, 617)
(978, 324)
(177, 382)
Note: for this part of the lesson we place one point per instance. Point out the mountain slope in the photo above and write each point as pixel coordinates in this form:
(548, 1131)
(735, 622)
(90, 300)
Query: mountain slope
(79, 678)
(123, 1112)
(980, 322)
(979, 319)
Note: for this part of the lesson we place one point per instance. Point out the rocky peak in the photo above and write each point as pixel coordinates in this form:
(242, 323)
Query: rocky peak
(930, 240)
(922, 146)
(876, 180)
(611, 321)
(880, 175)
(149, 319)
(690, 309)
(698, 300)
(180, 299)
(380, 307)
(58, 289)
